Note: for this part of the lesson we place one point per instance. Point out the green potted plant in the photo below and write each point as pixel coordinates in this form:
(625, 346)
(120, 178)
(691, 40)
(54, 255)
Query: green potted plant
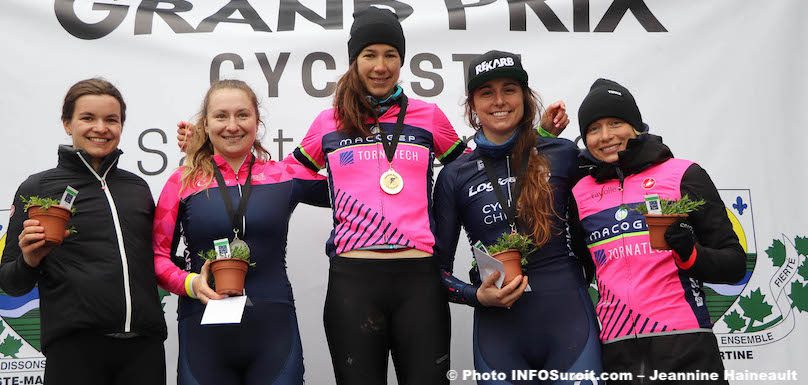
(229, 273)
(50, 215)
(671, 212)
(512, 250)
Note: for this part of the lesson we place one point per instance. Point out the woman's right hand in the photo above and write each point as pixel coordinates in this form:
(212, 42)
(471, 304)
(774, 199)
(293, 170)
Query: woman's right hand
(489, 295)
(200, 285)
(32, 242)
(184, 132)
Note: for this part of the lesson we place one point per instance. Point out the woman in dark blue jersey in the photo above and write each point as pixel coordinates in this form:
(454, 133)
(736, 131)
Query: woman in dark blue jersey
(552, 326)
(225, 159)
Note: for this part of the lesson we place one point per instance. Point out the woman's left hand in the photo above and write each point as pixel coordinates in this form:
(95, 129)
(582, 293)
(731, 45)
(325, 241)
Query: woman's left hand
(200, 285)
(555, 119)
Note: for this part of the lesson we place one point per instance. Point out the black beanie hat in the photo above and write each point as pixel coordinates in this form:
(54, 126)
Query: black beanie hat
(608, 99)
(492, 65)
(375, 26)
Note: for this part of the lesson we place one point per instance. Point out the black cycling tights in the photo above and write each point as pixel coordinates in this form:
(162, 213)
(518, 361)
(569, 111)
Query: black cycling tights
(376, 306)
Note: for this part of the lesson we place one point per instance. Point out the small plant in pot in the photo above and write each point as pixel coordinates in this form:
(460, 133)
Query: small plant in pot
(672, 211)
(50, 215)
(229, 273)
(512, 250)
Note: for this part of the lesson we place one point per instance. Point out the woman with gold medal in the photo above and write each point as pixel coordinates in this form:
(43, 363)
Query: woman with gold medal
(384, 292)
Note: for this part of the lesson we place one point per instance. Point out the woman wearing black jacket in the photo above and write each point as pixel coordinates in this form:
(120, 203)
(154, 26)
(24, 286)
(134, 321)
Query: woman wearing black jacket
(652, 309)
(101, 321)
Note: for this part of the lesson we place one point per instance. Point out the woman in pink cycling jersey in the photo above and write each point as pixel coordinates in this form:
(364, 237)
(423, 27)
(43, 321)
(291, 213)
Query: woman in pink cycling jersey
(652, 309)
(378, 145)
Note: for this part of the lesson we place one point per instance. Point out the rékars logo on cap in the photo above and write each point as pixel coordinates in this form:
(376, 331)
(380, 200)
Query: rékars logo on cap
(493, 64)
(648, 183)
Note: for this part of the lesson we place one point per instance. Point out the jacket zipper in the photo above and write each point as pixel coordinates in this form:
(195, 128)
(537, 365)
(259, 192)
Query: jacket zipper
(238, 184)
(127, 327)
(243, 217)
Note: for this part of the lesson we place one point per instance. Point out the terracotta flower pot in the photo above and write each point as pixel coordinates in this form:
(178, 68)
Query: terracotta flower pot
(54, 220)
(229, 274)
(512, 260)
(657, 225)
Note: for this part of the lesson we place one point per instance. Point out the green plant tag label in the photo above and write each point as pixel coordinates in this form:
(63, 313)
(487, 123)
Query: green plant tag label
(222, 247)
(68, 197)
(479, 246)
(652, 204)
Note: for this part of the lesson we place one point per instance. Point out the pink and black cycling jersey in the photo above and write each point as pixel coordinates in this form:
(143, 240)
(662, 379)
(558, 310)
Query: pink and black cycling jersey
(197, 213)
(364, 215)
(642, 290)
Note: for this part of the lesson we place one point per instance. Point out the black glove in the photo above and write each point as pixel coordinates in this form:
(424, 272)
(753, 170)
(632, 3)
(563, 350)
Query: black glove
(681, 238)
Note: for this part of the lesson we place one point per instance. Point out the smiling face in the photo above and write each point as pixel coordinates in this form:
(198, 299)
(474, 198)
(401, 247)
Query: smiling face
(95, 126)
(499, 104)
(379, 66)
(606, 137)
(231, 123)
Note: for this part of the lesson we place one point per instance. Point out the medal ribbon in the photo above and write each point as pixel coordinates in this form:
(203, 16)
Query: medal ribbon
(390, 147)
(237, 216)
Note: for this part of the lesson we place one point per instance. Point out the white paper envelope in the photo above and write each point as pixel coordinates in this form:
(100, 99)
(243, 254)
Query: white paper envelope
(224, 311)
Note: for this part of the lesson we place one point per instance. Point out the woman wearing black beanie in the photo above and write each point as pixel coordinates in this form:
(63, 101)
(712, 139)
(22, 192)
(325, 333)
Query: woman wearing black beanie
(516, 182)
(384, 291)
(652, 309)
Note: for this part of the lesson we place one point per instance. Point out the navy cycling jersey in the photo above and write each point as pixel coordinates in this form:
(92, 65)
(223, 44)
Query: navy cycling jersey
(464, 196)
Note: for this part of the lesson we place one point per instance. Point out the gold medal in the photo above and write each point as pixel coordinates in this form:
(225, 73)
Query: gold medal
(391, 182)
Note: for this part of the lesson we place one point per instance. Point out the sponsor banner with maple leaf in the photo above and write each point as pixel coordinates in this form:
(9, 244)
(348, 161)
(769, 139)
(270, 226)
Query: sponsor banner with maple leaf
(767, 314)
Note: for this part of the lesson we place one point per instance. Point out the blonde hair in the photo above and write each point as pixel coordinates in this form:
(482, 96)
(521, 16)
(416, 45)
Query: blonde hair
(199, 150)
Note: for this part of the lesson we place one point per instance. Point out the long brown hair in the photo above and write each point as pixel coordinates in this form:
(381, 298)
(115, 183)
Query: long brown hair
(351, 106)
(200, 149)
(534, 209)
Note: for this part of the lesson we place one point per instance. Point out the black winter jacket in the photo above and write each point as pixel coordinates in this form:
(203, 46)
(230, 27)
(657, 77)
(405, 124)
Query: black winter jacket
(100, 279)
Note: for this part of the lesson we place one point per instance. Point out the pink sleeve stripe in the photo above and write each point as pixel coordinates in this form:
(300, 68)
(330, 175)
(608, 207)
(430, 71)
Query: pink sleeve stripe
(169, 276)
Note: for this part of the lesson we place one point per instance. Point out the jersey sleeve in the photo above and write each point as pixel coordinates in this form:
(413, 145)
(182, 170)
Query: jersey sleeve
(719, 256)
(310, 187)
(447, 232)
(16, 277)
(166, 233)
(310, 151)
(448, 145)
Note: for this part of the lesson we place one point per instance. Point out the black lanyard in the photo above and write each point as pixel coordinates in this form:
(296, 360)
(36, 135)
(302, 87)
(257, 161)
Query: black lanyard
(235, 217)
(390, 147)
(510, 210)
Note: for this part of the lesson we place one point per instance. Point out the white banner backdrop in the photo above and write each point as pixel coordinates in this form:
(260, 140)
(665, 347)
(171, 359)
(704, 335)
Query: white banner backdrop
(722, 81)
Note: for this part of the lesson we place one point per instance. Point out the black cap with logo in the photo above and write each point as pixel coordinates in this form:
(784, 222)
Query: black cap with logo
(492, 65)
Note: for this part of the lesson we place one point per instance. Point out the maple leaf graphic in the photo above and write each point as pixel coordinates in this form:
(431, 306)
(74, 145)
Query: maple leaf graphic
(803, 270)
(799, 296)
(801, 244)
(755, 306)
(777, 253)
(10, 347)
(734, 321)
